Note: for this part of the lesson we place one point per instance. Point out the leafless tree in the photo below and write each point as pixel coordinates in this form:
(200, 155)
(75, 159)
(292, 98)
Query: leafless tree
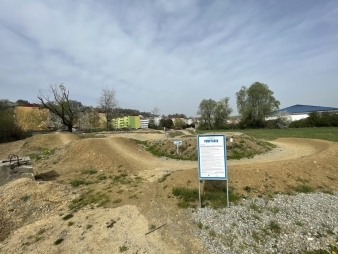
(60, 105)
(108, 103)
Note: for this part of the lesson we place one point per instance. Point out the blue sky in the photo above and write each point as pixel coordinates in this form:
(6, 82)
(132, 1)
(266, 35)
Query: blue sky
(170, 54)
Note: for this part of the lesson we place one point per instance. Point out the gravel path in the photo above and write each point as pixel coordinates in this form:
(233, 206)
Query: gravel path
(283, 224)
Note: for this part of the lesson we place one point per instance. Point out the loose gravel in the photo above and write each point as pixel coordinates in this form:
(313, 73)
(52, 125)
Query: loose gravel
(280, 224)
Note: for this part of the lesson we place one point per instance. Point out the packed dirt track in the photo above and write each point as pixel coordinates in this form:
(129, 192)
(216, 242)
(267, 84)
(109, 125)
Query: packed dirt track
(138, 191)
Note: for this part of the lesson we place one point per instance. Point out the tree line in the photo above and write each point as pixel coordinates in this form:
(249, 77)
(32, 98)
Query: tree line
(253, 104)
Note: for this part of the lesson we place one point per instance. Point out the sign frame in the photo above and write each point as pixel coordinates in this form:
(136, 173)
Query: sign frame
(220, 155)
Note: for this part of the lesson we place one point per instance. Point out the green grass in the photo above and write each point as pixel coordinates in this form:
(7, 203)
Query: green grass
(90, 172)
(303, 188)
(216, 199)
(68, 216)
(89, 198)
(173, 134)
(325, 133)
(58, 241)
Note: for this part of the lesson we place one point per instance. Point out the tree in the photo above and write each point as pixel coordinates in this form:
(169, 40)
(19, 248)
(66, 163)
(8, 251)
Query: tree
(222, 113)
(166, 122)
(108, 104)
(254, 103)
(61, 105)
(179, 123)
(283, 120)
(154, 113)
(206, 110)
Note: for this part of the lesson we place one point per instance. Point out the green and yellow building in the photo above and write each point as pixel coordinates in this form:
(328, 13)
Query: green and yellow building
(127, 122)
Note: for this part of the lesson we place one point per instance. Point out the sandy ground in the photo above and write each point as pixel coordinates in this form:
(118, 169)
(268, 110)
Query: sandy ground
(31, 212)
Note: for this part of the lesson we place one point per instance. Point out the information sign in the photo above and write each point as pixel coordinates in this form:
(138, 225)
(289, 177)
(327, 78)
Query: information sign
(177, 142)
(212, 157)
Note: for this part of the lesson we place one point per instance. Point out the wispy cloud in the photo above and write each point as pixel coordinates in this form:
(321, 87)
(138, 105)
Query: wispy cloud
(170, 54)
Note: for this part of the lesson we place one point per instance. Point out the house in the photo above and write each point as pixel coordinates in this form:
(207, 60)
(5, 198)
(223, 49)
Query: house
(31, 117)
(299, 111)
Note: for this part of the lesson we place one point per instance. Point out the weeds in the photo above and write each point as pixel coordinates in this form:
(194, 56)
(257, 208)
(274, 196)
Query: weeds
(68, 216)
(163, 178)
(90, 172)
(58, 241)
(123, 248)
(88, 198)
(216, 199)
(25, 198)
(303, 188)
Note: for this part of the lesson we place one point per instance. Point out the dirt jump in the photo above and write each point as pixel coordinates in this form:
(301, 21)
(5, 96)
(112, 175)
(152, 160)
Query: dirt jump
(107, 194)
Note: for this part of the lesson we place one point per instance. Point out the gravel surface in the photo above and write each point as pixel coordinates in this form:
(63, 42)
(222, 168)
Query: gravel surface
(282, 224)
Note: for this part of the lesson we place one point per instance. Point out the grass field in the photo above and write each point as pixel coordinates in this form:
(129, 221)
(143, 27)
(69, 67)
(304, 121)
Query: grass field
(325, 133)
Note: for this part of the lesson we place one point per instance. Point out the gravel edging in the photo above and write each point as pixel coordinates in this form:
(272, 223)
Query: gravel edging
(282, 224)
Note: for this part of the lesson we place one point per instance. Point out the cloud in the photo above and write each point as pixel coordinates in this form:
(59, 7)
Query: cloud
(170, 54)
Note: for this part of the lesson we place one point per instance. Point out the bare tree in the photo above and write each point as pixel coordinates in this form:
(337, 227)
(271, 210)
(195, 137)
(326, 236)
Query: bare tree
(108, 103)
(61, 105)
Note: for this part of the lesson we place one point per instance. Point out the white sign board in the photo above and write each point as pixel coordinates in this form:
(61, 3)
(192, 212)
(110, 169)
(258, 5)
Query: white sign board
(212, 163)
(177, 142)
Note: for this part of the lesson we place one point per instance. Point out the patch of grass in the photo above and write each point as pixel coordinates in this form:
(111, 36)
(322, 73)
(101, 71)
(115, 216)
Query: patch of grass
(152, 227)
(58, 241)
(299, 223)
(133, 196)
(274, 209)
(120, 191)
(274, 227)
(70, 223)
(303, 188)
(68, 216)
(256, 236)
(122, 179)
(247, 189)
(255, 207)
(77, 182)
(200, 225)
(90, 172)
(101, 177)
(173, 134)
(116, 201)
(25, 198)
(123, 248)
(212, 233)
(87, 198)
(163, 178)
(216, 199)
(89, 226)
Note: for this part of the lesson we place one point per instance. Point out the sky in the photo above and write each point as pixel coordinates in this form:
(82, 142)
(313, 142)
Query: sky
(170, 54)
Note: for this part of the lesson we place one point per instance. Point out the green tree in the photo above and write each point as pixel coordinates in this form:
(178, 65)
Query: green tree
(206, 110)
(254, 103)
(166, 122)
(222, 113)
(179, 123)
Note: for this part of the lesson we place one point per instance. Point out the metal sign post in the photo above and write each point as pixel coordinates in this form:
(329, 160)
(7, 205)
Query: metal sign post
(212, 163)
(177, 143)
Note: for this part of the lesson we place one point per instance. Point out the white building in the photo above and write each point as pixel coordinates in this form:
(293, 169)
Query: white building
(298, 111)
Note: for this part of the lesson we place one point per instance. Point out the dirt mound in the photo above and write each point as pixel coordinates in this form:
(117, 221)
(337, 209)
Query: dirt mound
(49, 141)
(243, 146)
(24, 201)
(35, 213)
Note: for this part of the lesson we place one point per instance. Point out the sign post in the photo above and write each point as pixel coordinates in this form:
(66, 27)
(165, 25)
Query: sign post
(212, 164)
(177, 143)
